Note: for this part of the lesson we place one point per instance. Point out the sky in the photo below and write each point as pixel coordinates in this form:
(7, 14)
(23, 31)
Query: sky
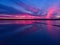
(26, 6)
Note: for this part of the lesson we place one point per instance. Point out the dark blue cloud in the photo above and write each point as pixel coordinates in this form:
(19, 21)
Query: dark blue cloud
(14, 6)
(8, 10)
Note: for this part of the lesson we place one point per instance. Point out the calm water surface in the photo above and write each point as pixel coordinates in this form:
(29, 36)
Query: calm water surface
(29, 32)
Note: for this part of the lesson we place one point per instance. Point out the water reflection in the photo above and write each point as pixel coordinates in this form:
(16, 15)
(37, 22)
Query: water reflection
(38, 28)
(51, 29)
(18, 21)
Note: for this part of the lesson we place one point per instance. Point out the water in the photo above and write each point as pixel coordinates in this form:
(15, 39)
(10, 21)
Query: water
(29, 32)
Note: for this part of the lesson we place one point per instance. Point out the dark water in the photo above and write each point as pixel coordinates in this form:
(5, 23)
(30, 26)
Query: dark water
(29, 32)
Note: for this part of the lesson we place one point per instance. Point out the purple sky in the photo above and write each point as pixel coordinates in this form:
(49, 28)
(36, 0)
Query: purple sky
(13, 6)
